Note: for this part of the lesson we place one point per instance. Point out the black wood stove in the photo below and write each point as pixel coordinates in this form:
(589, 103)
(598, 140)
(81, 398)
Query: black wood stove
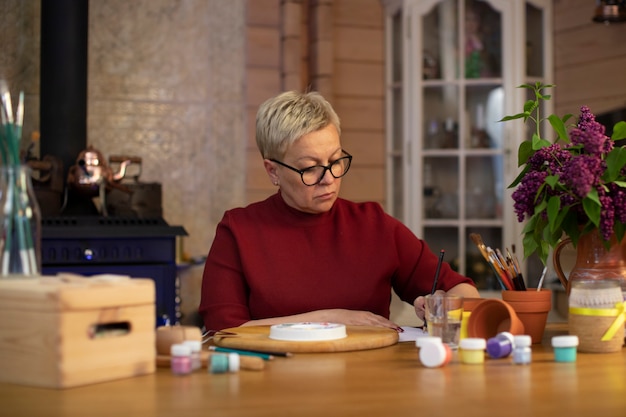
(136, 247)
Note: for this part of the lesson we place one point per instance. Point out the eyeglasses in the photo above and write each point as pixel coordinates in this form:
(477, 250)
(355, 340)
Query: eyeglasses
(313, 175)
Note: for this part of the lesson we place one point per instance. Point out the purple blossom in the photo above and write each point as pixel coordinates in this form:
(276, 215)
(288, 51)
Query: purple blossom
(607, 214)
(550, 159)
(594, 143)
(587, 122)
(619, 202)
(580, 169)
(526, 193)
(581, 173)
(590, 134)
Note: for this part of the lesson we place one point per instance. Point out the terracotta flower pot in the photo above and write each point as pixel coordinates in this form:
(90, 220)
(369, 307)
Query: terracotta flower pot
(470, 303)
(532, 308)
(492, 316)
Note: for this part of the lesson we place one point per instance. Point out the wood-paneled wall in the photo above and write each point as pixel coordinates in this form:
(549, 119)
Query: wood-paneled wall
(337, 49)
(589, 60)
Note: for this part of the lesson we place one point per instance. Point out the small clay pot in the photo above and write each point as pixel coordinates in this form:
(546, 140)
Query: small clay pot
(470, 303)
(531, 294)
(532, 307)
(491, 317)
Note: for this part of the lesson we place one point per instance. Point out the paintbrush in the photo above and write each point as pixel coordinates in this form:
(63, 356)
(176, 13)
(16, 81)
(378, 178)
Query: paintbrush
(478, 241)
(441, 253)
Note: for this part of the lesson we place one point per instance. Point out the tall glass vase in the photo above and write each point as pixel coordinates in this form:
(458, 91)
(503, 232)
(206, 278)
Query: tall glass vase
(20, 247)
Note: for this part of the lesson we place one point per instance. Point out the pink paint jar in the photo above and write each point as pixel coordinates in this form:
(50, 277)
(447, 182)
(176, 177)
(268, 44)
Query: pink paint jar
(180, 359)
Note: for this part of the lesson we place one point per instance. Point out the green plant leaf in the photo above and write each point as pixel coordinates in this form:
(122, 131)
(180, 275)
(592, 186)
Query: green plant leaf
(521, 175)
(513, 117)
(615, 162)
(552, 180)
(619, 131)
(559, 127)
(530, 106)
(530, 245)
(592, 207)
(524, 152)
(554, 206)
(538, 143)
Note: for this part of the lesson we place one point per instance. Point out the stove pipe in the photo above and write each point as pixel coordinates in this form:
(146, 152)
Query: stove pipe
(63, 79)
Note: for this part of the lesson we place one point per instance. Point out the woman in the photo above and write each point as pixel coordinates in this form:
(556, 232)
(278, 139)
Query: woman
(304, 254)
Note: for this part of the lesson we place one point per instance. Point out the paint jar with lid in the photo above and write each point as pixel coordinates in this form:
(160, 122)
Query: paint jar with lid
(180, 359)
(422, 340)
(433, 353)
(565, 348)
(472, 350)
(196, 348)
(220, 363)
(500, 346)
(522, 354)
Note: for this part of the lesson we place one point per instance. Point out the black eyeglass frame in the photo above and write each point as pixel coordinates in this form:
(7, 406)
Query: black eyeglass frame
(326, 168)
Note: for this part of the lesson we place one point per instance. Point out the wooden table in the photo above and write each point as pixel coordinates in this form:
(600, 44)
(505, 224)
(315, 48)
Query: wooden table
(380, 382)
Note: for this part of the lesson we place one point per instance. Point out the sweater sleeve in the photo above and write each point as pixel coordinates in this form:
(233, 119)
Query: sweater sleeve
(417, 267)
(223, 301)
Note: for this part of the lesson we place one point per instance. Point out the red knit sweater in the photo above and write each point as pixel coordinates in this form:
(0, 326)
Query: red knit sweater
(270, 260)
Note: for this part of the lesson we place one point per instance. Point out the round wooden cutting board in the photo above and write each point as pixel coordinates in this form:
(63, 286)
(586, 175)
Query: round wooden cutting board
(257, 338)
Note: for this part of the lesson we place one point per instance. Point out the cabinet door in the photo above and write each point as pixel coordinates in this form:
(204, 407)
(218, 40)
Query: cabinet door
(453, 71)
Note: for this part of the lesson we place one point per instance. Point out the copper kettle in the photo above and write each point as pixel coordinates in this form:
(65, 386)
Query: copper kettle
(92, 173)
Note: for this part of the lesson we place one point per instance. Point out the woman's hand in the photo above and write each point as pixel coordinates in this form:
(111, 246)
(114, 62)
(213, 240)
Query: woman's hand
(464, 290)
(336, 315)
(420, 307)
(357, 318)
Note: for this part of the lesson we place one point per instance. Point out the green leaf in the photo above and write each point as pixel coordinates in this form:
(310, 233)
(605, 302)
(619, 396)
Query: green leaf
(540, 206)
(619, 131)
(538, 143)
(592, 207)
(515, 116)
(524, 152)
(559, 127)
(531, 225)
(529, 245)
(567, 117)
(552, 180)
(530, 106)
(554, 205)
(615, 161)
(521, 175)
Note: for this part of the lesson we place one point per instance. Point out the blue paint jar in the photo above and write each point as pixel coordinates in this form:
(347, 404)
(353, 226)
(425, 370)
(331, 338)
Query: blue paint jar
(500, 346)
(522, 354)
(565, 348)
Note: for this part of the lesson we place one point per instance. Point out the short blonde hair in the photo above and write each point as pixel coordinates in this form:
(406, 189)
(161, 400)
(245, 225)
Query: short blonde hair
(283, 119)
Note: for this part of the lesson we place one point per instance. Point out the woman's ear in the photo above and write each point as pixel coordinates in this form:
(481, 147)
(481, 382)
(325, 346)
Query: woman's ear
(270, 168)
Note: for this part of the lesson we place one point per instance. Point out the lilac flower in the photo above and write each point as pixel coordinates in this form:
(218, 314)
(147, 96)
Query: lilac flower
(550, 158)
(581, 173)
(587, 121)
(607, 214)
(593, 143)
(575, 169)
(619, 202)
(526, 193)
(590, 134)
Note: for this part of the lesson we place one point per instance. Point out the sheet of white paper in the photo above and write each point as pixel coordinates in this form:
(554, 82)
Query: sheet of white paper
(411, 333)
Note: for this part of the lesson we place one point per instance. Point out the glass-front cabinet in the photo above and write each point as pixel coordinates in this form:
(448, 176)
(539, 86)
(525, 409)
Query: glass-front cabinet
(453, 68)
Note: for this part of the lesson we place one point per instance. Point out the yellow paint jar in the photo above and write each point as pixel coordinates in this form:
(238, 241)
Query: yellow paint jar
(472, 350)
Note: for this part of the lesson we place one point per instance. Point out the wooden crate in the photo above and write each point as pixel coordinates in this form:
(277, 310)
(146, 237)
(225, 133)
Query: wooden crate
(60, 332)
